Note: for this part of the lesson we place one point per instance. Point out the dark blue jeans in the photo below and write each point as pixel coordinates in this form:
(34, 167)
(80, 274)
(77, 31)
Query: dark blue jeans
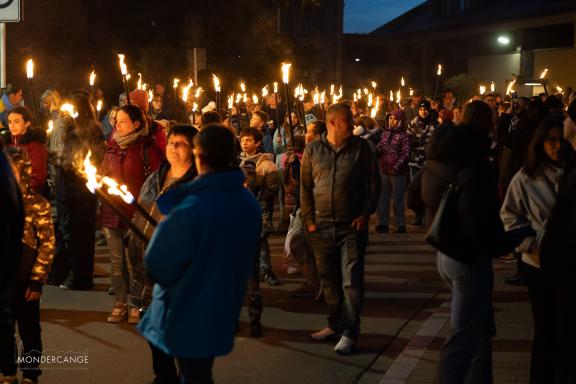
(466, 357)
(393, 188)
(339, 251)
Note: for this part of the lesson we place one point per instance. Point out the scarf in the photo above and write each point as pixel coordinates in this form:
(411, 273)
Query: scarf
(124, 141)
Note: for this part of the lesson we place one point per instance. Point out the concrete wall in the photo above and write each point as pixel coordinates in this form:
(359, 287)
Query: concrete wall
(561, 64)
(497, 68)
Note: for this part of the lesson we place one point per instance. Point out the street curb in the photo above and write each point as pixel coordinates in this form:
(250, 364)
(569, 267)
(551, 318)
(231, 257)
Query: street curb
(405, 364)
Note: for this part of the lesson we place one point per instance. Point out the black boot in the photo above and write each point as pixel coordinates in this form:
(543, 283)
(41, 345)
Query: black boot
(255, 329)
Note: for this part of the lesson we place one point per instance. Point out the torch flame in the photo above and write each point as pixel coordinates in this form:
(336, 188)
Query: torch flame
(559, 89)
(175, 82)
(194, 107)
(150, 95)
(365, 91)
(255, 99)
(286, 72)
(119, 190)
(509, 89)
(275, 87)
(92, 78)
(66, 107)
(482, 89)
(30, 68)
(373, 84)
(139, 86)
(243, 87)
(398, 97)
(492, 87)
(50, 127)
(316, 97)
(411, 92)
(544, 72)
(402, 83)
(186, 90)
(265, 91)
(370, 100)
(90, 172)
(123, 67)
(439, 72)
(230, 101)
(198, 92)
(391, 96)
(374, 110)
(99, 105)
(331, 89)
(238, 98)
(216, 83)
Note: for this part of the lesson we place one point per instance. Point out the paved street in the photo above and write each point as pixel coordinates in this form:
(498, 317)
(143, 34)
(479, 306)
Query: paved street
(403, 327)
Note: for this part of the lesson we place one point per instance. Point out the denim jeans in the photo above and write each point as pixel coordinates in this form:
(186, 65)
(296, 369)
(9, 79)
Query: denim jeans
(466, 357)
(339, 251)
(119, 272)
(393, 187)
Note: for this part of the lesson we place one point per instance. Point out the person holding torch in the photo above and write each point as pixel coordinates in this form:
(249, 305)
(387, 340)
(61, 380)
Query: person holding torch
(131, 156)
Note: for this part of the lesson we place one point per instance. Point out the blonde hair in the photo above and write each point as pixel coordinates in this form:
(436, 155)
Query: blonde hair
(52, 98)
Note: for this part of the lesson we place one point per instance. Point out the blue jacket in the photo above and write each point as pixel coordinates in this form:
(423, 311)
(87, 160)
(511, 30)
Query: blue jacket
(201, 257)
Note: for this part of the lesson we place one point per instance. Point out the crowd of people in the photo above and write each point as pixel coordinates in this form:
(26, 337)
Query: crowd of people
(203, 175)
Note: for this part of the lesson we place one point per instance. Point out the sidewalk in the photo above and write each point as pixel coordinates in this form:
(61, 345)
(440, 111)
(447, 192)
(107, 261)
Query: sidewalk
(511, 345)
(403, 292)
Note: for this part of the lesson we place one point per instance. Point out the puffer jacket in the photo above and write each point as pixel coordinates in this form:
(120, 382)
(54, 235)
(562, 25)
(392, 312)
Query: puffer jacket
(130, 166)
(34, 143)
(38, 237)
(394, 151)
(419, 131)
(262, 180)
(338, 187)
(151, 190)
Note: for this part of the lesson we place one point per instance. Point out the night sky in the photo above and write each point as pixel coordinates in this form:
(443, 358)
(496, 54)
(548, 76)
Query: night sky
(363, 16)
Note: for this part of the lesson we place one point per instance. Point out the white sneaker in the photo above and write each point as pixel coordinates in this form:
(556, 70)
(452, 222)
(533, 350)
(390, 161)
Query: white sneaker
(345, 346)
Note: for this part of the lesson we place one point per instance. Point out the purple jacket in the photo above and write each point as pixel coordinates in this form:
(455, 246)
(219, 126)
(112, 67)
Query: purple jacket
(394, 151)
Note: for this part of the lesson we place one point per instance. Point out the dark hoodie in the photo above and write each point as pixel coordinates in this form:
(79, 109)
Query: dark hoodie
(460, 156)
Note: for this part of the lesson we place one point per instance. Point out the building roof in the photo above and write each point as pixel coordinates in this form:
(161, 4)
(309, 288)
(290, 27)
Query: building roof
(434, 15)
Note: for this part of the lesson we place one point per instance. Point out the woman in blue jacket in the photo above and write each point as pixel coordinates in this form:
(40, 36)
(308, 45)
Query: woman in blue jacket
(201, 280)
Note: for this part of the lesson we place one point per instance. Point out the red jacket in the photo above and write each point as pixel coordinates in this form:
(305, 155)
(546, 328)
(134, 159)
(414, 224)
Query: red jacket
(33, 142)
(126, 166)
